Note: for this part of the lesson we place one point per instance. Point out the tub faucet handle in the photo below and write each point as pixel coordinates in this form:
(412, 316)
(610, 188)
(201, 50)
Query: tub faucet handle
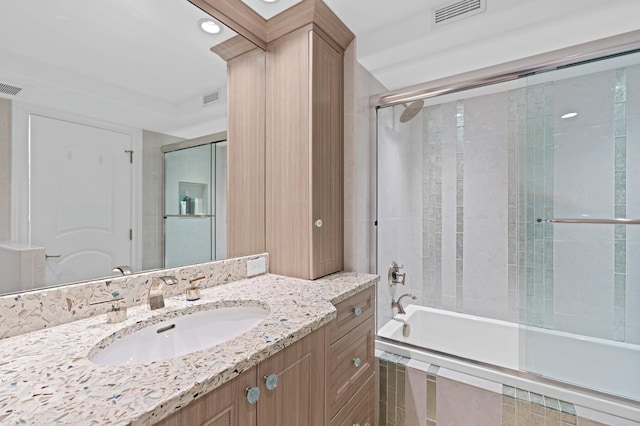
(395, 276)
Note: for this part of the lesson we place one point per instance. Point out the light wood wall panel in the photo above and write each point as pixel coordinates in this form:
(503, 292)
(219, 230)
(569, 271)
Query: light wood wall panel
(327, 157)
(288, 156)
(246, 154)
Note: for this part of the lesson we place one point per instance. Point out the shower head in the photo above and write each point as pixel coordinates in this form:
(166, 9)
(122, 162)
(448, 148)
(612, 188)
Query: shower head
(411, 110)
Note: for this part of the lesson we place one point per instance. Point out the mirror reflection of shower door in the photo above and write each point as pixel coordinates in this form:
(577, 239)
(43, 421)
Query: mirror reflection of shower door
(194, 187)
(80, 198)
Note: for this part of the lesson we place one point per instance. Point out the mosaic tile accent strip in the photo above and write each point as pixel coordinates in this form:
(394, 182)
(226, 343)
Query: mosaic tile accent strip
(620, 207)
(521, 407)
(392, 389)
(432, 373)
(539, 176)
(515, 218)
(460, 206)
(432, 202)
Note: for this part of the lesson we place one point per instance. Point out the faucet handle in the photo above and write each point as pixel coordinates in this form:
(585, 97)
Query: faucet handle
(169, 280)
(395, 276)
(193, 292)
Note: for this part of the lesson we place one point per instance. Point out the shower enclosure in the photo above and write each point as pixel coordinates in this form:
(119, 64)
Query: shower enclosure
(516, 202)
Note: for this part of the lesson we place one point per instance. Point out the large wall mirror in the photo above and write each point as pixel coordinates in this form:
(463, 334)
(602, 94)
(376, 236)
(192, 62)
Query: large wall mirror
(94, 98)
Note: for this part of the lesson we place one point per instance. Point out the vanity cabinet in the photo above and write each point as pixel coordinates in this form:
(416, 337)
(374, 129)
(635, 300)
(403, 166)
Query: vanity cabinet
(225, 406)
(290, 385)
(304, 155)
(326, 378)
(350, 363)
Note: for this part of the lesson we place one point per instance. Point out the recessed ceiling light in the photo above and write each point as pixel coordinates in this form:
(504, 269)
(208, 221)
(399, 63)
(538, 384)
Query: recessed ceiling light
(210, 26)
(569, 115)
(269, 1)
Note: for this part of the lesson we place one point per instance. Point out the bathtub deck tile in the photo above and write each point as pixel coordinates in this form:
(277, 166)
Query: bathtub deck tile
(400, 387)
(553, 417)
(433, 370)
(536, 398)
(537, 419)
(509, 391)
(416, 397)
(522, 395)
(431, 399)
(567, 408)
(462, 404)
(508, 415)
(404, 361)
(400, 416)
(523, 412)
(552, 403)
(509, 401)
(568, 419)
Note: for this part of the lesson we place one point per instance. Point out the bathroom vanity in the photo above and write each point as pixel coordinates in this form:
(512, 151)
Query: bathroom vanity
(289, 388)
(314, 350)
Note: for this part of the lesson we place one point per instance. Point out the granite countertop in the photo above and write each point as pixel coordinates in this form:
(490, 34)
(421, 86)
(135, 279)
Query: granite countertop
(47, 378)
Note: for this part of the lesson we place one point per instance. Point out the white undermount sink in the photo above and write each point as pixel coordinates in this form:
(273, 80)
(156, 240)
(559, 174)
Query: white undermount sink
(180, 335)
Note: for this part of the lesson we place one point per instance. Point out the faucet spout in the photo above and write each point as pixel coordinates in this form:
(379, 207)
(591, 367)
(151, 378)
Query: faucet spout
(398, 303)
(123, 269)
(156, 296)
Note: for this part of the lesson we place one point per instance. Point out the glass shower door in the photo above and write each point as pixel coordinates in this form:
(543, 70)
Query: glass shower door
(189, 205)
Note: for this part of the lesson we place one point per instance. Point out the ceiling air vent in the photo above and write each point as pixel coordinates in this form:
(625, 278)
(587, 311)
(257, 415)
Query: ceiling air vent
(209, 98)
(8, 89)
(451, 11)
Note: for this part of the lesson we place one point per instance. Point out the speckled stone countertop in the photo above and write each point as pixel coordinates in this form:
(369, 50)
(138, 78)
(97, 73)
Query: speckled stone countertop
(47, 378)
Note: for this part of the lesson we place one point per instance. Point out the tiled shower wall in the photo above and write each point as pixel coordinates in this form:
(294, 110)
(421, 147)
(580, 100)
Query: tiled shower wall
(461, 187)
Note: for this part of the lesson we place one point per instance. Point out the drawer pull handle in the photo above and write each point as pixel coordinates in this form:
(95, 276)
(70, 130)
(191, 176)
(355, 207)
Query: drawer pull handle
(253, 394)
(271, 381)
(357, 362)
(318, 223)
(357, 311)
(356, 424)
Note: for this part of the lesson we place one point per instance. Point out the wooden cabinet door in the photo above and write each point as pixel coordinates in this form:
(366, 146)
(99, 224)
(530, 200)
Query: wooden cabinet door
(298, 398)
(225, 406)
(327, 158)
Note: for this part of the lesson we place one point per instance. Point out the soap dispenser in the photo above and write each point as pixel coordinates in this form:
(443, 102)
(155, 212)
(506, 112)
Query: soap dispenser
(193, 292)
(187, 203)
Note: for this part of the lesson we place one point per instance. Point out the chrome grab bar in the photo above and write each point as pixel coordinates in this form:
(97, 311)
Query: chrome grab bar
(620, 221)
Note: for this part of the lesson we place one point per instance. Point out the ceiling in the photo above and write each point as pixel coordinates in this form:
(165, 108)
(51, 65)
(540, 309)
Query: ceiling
(147, 59)
(143, 63)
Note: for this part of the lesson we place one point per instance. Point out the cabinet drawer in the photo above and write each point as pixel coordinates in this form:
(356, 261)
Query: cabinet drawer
(360, 409)
(350, 364)
(352, 312)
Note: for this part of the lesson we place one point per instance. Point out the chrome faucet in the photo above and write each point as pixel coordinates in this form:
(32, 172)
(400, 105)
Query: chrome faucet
(397, 304)
(156, 297)
(123, 269)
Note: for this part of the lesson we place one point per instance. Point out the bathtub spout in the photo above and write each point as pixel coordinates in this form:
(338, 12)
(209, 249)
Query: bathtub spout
(397, 304)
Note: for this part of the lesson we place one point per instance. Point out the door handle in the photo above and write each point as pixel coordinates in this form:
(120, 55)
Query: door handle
(52, 256)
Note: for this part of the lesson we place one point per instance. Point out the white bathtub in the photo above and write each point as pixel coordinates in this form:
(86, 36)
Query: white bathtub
(610, 367)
